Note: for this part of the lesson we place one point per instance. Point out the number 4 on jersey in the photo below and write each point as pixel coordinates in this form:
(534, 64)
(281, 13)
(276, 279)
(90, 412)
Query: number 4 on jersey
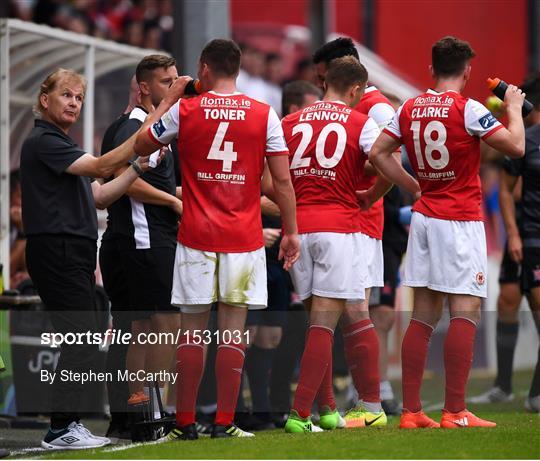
(227, 155)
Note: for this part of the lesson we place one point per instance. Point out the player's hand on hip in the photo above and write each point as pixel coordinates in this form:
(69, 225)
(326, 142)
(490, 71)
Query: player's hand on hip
(364, 199)
(270, 236)
(513, 98)
(176, 90)
(515, 248)
(176, 206)
(289, 250)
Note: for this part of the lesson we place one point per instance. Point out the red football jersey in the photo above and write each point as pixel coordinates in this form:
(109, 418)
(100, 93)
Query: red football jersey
(379, 108)
(328, 143)
(222, 143)
(441, 133)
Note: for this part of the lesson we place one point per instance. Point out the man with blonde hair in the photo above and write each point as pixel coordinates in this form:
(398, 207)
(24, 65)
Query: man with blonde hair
(59, 216)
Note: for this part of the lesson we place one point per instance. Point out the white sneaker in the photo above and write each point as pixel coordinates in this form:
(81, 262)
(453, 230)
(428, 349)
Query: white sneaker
(72, 438)
(532, 404)
(493, 395)
(315, 428)
(86, 431)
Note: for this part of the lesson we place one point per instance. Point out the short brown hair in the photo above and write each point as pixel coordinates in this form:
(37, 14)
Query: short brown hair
(450, 55)
(345, 72)
(222, 56)
(51, 82)
(294, 92)
(150, 63)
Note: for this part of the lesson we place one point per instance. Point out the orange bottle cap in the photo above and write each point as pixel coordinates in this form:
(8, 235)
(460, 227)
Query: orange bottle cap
(493, 82)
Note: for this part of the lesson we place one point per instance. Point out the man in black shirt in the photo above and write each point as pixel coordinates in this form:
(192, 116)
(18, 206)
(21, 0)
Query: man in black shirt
(117, 289)
(59, 216)
(523, 249)
(142, 225)
(528, 168)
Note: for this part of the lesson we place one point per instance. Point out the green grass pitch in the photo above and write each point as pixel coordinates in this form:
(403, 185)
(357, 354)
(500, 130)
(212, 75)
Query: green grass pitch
(516, 437)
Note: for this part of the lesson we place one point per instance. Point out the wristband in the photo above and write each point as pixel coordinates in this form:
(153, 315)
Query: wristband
(136, 167)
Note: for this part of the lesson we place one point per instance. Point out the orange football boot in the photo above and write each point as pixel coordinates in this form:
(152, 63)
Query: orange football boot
(463, 419)
(410, 420)
(137, 398)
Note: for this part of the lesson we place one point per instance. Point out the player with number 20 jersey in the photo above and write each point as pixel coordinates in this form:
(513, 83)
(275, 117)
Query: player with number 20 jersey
(328, 143)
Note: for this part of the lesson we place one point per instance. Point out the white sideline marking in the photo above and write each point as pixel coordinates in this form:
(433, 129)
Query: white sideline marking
(128, 446)
(28, 450)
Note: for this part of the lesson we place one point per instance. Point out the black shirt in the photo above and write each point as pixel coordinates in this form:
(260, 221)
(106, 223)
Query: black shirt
(53, 201)
(138, 225)
(107, 144)
(394, 233)
(528, 167)
(272, 253)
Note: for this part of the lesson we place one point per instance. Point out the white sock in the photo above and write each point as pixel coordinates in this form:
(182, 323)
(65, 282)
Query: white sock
(386, 390)
(372, 407)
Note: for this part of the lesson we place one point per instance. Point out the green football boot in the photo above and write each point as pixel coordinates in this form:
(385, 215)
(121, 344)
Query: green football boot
(297, 425)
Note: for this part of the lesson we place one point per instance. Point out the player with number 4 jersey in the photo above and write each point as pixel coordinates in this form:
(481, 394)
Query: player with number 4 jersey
(446, 253)
(224, 138)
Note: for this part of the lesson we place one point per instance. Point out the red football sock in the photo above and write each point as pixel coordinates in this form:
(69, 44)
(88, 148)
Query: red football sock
(189, 366)
(317, 355)
(325, 396)
(458, 357)
(413, 361)
(362, 355)
(229, 364)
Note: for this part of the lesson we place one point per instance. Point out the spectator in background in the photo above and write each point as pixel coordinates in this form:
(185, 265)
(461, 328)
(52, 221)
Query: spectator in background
(137, 22)
(274, 79)
(17, 239)
(305, 70)
(133, 32)
(250, 79)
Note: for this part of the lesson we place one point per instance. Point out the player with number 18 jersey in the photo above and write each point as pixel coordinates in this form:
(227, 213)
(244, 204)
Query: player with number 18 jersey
(446, 252)
(441, 133)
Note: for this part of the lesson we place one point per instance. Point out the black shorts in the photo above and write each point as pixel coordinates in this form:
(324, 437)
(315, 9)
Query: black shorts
(279, 299)
(62, 270)
(510, 270)
(530, 269)
(386, 295)
(149, 276)
(114, 278)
